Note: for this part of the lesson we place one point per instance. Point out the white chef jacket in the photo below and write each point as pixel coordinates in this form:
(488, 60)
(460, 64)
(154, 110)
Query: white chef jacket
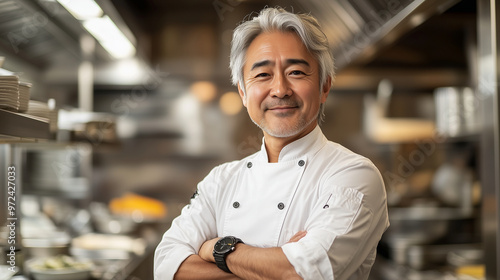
(337, 196)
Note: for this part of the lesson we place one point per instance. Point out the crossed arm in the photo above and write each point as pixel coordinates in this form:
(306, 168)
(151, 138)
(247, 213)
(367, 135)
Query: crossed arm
(246, 262)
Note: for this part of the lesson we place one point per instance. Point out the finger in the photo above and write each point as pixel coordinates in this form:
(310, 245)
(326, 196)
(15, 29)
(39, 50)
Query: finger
(299, 235)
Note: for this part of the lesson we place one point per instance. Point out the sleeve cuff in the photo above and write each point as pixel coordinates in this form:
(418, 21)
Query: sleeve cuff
(309, 261)
(167, 267)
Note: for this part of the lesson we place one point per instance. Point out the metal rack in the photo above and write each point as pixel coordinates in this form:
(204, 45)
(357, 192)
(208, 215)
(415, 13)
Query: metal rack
(15, 127)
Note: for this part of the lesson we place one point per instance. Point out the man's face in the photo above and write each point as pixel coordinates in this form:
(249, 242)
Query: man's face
(281, 78)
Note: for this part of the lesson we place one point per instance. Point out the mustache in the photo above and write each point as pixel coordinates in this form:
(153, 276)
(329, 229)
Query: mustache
(280, 103)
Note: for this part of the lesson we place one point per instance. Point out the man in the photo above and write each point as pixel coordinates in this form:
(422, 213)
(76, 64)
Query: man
(302, 207)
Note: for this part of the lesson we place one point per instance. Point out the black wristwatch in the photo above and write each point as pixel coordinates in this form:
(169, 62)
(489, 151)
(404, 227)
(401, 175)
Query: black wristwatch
(222, 248)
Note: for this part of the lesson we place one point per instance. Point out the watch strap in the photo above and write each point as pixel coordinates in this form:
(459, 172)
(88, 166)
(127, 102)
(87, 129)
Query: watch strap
(220, 259)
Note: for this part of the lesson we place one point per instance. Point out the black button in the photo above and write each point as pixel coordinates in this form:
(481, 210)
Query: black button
(236, 204)
(301, 163)
(249, 165)
(281, 205)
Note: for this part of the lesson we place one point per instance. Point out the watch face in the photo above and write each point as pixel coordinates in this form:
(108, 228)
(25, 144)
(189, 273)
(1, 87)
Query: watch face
(224, 245)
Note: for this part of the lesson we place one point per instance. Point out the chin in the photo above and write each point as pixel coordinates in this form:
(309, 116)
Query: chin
(281, 130)
(282, 133)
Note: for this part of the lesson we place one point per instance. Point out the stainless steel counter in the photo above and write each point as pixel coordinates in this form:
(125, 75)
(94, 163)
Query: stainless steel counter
(138, 267)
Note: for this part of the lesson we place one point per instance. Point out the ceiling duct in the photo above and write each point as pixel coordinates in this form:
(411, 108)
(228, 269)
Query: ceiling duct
(358, 29)
(29, 33)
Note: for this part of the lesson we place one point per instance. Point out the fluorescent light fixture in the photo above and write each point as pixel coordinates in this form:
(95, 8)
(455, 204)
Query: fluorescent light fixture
(109, 36)
(82, 9)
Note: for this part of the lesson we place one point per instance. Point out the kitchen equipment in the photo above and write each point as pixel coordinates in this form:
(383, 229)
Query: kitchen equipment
(63, 274)
(61, 267)
(24, 96)
(9, 91)
(383, 129)
(465, 256)
(106, 246)
(453, 186)
(456, 111)
(93, 127)
(429, 256)
(45, 247)
(105, 222)
(55, 169)
(41, 238)
(417, 226)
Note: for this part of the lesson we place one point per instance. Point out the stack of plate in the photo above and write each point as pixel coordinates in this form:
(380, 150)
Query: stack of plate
(9, 92)
(53, 120)
(24, 96)
(44, 112)
(38, 109)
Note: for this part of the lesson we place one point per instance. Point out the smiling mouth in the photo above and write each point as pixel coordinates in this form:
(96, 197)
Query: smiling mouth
(283, 108)
(282, 111)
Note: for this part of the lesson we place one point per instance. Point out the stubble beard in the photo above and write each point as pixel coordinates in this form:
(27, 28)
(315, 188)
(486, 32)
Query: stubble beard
(283, 130)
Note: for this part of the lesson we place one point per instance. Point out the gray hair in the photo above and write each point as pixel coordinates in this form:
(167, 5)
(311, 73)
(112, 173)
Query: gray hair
(278, 19)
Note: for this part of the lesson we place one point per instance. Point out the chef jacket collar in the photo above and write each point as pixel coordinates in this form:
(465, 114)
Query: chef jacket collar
(309, 144)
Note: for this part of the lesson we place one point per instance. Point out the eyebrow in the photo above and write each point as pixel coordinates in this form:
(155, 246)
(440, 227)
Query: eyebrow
(289, 61)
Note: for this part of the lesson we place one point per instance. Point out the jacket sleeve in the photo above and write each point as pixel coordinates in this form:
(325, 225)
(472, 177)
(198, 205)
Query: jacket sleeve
(344, 228)
(188, 231)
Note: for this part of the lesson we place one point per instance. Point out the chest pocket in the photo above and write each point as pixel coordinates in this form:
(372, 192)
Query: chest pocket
(259, 208)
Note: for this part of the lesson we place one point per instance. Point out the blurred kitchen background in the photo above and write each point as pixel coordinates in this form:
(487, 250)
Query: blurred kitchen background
(113, 111)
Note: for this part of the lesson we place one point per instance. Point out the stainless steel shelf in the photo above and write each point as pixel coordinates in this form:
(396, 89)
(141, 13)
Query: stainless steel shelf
(14, 125)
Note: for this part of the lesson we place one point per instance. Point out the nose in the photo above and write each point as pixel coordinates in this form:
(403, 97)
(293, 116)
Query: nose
(279, 87)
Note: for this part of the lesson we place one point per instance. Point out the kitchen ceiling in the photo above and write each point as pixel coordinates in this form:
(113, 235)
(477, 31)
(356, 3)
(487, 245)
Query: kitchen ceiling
(26, 32)
(190, 39)
(368, 37)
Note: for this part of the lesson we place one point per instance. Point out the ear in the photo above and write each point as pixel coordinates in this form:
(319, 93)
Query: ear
(242, 95)
(325, 89)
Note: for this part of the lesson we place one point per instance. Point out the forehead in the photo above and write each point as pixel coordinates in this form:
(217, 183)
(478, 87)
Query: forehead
(277, 45)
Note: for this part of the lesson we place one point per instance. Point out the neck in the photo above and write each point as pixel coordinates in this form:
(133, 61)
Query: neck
(274, 145)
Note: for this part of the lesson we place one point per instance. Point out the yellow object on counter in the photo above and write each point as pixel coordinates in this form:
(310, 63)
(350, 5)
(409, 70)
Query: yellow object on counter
(476, 271)
(132, 204)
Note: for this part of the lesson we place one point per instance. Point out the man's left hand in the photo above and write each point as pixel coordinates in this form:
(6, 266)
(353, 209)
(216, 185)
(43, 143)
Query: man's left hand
(207, 250)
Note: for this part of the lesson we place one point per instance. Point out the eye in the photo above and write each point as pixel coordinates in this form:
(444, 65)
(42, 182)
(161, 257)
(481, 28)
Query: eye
(297, 72)
(260, 75)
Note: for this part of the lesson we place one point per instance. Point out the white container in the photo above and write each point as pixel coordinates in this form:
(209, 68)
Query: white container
(456, 111)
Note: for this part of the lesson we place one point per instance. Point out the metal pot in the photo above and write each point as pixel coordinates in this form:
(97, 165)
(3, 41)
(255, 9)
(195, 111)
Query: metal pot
(45, 247)
(417, 226)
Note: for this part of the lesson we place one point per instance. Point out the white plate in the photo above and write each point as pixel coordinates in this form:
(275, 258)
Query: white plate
(57, 274)
(5, 100)
(11, 84)
(9, 89)
(61, 274)
(9, 79)
(8, 101)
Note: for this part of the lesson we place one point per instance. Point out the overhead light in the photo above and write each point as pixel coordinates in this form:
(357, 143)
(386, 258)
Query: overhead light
(110, 36)
(82, 9)
(205, 91)
(230, 103)
(100, 26)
